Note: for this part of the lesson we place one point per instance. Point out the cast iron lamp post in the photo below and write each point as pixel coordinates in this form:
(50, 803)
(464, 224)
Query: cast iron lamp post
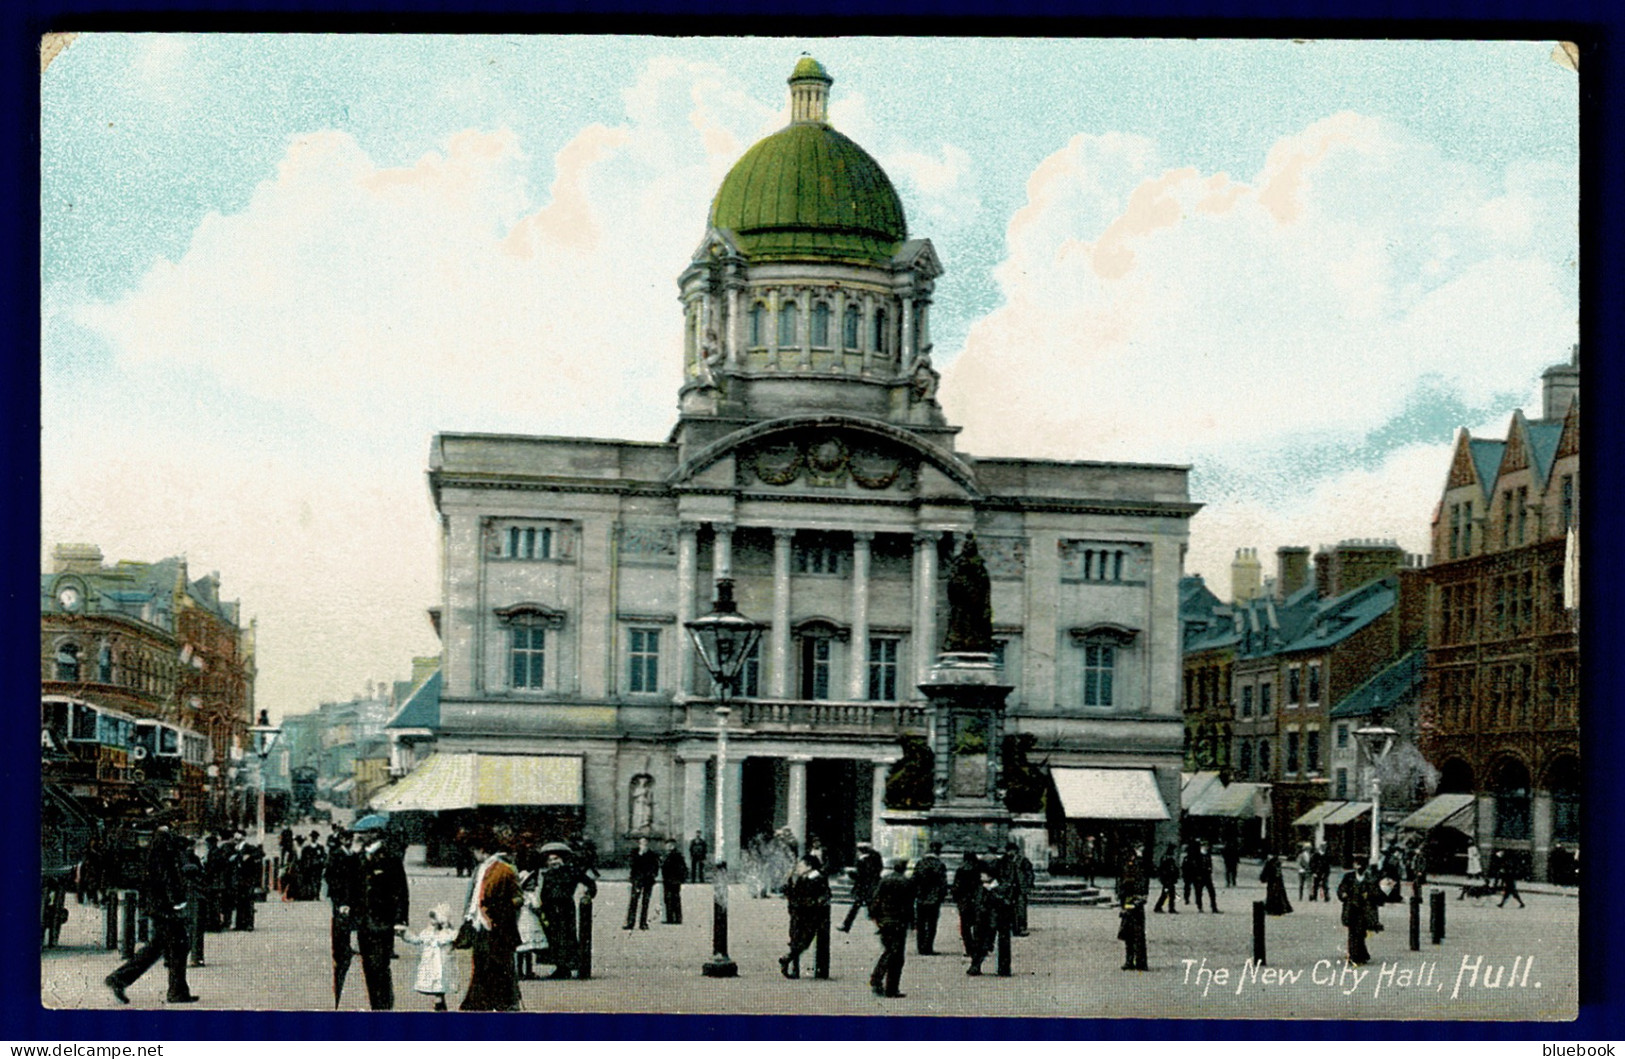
(724, 639)
(1369, 736)
(264, 738)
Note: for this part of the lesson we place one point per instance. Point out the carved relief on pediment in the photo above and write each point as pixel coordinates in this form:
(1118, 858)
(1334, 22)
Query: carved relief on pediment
(828, 459)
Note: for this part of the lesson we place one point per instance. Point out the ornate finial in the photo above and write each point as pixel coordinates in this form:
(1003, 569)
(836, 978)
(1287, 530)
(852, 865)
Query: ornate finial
(809, 92)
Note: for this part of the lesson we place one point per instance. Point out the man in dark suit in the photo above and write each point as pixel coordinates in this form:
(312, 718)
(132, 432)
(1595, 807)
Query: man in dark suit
(673, 870)
(697, 849)
(806, 894)
(163, 892)
(1358, 892)
(645, 870)
(382, 906)
(930, 890)
(967, 897)
(865, 877)
(343, 882)
(892, 909)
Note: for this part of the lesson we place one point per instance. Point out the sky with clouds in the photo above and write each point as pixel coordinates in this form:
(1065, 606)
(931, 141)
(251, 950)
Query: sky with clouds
(273, 267)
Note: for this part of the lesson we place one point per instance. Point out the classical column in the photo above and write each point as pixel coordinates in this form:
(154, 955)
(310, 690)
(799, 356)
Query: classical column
(906, 355)
(925, 602)
(798, 798)
(859, 683)
(693, 800)
(773, 328)
(878, 804)
(804, 300)
(722, 550)
(922, 334)
(866, 331)
(687, 560)
(780, 648)
(731, 337)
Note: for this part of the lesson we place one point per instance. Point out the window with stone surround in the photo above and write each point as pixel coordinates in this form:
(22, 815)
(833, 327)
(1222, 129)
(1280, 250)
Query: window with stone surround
(817, 656)
(789, 325)
(527, 542)
(820, 325)
(643, 661)
(883, 652)
(1311, 743)
(757, 326)
(527, 653)
(1099, 672)
(851, 327)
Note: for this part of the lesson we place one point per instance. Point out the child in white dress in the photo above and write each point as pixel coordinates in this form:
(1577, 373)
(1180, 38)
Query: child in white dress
(437, 968)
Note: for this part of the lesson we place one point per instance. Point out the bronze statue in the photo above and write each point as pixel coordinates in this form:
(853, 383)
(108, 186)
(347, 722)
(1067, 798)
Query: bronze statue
(970, 602)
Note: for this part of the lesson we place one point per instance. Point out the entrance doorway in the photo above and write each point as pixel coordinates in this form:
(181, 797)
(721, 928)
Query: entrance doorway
(763, 797)
(839, 793)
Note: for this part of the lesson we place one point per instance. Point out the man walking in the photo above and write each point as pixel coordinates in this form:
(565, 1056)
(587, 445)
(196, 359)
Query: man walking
(1355, 890)
(697, 849)
(382, 906)
(1132, 888)
(865, 877)
(930, 889)
(892, 909)
(1320, 873)
(645, 870)
(1232, 862)
(1509, 883)
(967, 899)
(673, 871)
(994, 914)
(806, 895)
(163, 892)
(1168, 876)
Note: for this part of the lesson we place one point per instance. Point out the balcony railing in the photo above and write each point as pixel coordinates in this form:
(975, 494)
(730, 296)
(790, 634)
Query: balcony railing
(811, 716)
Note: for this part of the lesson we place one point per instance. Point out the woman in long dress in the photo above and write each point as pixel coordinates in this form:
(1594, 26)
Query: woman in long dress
(1275, 899)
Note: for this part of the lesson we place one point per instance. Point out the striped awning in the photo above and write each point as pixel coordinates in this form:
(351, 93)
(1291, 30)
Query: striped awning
(1238, 800)
(1347, 813)
(466, 781)
(1109, 794)
(1444, 810)
(1193, 785)
(1318, 814)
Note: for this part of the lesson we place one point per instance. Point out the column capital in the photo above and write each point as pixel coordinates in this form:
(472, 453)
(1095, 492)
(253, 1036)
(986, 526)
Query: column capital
(863, 535)
(927, 536)
(720, 526)
(689, 526)
(783, 533)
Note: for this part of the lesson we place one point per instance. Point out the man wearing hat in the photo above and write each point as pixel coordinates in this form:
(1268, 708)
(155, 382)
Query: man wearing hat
(163, 892)
(381, 906)
(561, 880)
(892, 909)
(930, 890)
(865, 877)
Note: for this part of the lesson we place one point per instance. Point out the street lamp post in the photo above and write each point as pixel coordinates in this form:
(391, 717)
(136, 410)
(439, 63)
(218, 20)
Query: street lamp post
(264, 736)
(724, 639)
(1368, 737)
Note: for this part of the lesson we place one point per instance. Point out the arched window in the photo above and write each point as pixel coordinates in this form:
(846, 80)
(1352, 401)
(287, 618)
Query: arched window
(1512, 800)
(758, 325)
(850, 328)
(820, 325)
(1563, 780)
(67, 662)
(882, 339)
(789, 324)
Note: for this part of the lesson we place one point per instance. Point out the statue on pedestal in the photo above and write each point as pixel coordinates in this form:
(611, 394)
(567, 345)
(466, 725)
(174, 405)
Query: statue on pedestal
(970, 602)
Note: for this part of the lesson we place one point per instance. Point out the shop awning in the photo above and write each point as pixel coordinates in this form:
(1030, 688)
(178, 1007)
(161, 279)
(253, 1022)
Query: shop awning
(1109, 794)
(1238, 800)
(1318, 814)
(466, 781)
(1348, 813)
(1445, 810)
(343, 786)
(1193, 785)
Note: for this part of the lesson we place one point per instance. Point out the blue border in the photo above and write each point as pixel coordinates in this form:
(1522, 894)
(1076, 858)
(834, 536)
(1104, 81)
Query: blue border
(1594, 24)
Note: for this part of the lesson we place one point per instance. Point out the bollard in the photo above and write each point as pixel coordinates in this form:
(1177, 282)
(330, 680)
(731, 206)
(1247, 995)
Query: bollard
(1436, 919)
(127, 927)
(277, 881)
(1416, 923)
(195, 906)
(110, 916)
(821, 946)
(1258, 932)
(584, 939)
(1004, 950)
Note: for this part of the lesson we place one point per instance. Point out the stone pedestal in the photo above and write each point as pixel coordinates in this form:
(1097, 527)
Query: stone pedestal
(967, 734)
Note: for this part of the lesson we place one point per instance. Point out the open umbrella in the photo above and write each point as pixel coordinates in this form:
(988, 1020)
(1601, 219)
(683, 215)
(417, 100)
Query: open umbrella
(371, 822)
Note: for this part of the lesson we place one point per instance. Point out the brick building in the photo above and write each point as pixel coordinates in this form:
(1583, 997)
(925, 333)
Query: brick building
(1501, 706)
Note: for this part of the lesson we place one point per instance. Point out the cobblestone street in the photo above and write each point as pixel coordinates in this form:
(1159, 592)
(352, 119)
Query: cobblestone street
(1068, 966)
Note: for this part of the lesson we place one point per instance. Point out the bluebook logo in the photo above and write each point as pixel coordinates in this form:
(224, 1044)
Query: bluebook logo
(1576, 1049)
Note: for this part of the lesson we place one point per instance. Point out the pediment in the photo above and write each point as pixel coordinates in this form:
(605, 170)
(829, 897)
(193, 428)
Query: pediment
(530, 613)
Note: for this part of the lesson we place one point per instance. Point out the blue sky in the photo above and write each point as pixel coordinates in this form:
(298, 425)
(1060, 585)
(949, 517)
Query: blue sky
(273, 266)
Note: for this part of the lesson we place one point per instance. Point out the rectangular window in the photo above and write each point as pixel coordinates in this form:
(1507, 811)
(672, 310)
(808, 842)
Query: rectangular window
(528, 542)
(1342, 783)
(1506, 518)
(883, 669)
(1264, 695)
(643, 653)
(750, 674)
(526, 656)
(1294, 686)
(1099, 661)
(1244, 758)
(1342, 737)
(1292, 753)
(815, 663)
(1523, 512)
(1565, 511)
(1247, 701)
(1311, 750)
(1000, 647)
(817, 556)
(1467, 528)
(1314, 683)
(1455, 530)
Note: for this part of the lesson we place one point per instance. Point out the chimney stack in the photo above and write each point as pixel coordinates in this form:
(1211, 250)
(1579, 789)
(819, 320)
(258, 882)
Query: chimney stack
(1559, 385)
(1246, 575)
(1291, 570)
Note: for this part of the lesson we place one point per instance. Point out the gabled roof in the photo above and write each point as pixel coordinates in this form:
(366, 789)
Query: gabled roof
(1337, 619)
(422, 707)
(1487, 460)
(1543, 438)
(1387, 689)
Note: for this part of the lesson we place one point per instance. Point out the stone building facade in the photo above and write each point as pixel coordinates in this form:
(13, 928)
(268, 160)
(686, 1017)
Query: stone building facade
(812, 465)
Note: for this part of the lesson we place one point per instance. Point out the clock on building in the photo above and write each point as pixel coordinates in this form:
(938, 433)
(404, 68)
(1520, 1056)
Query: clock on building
(70, 599)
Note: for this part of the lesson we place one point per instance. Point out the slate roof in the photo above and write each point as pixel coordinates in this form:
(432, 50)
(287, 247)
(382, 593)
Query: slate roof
(1337, 619)
(422, 709)
(1486, 459)
(1543, 436)
(1387, 689)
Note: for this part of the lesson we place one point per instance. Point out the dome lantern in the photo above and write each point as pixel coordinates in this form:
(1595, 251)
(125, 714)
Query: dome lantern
(809, 92)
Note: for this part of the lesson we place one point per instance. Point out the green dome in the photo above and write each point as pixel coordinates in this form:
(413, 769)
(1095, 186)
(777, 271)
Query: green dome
(809, 193)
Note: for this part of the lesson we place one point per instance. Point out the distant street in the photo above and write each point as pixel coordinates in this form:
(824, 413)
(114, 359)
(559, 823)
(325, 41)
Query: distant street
(1067, 966)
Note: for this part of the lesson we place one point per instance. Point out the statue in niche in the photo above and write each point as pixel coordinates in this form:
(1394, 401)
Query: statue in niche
(970, 602)
(710, 361)
(923, 383)
(642, 807)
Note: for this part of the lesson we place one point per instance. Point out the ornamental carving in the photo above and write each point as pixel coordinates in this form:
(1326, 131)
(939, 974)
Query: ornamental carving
(650, 543)
(826, 460)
